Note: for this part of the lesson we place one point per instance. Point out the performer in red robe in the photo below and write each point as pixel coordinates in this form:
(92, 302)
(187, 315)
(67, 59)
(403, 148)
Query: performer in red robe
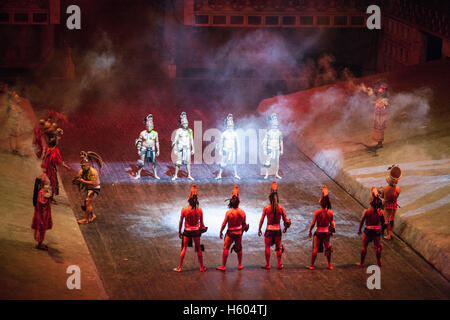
(274, 212)
(42, 218)
(193, 228)
(236, 220)
(374, 219)
(50, 162)
(325, 228)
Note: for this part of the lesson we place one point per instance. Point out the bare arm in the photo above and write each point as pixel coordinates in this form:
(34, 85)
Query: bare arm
(157, 144)
(225, 221)
(261, 222)
(202, 225)
(191, 138)
(361, 223)
(281, 144)
(312, 224)
(180, 225)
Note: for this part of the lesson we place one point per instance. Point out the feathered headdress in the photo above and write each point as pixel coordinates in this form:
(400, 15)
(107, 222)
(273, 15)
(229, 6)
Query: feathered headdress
(57, 117)
(324, 191)
(194, 191)
(90, 156)
(235, 191)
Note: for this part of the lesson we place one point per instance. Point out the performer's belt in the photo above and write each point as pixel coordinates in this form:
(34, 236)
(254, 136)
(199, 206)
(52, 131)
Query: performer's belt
(235, 228)
(191, 228)
(273, 227)
(322, 229)
(373, 227)
(391, 205)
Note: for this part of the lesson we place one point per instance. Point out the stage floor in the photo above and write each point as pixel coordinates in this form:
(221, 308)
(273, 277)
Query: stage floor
(134, 240)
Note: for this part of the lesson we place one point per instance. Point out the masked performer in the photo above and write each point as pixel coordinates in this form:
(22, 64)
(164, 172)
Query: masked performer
(148, 147)
(374, 219)
(390, 195)
(229, 147)
(89, 181)
(183, 145)
(50, 162)
(236, 220)
(325, 228)
(274, 212)
(273, 146)
(42, 218)
(381, 102)
(193, 228)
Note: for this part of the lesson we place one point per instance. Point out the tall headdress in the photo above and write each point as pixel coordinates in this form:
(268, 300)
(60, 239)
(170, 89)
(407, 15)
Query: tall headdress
(273, 189)
(324, 199)
(395, 173)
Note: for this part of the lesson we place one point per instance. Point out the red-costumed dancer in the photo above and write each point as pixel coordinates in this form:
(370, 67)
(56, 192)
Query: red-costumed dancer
(325, 228)
(272, 236)
(193, 228)
(236, 220)
(42, 218)
(50, 162)
(375, 224)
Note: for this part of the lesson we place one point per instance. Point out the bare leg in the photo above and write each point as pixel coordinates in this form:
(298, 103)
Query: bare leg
(365, 242)
(154, 172)
(188, 167)
(326, 243)
(175, 176)
(314, 253)
(235, 173)
(219, 176)
(377, 245)
(182, 254)
(226, 250)
(199, 254)
(278, 168)
(279, 252)
(267, 173)
(267, 241)
(138, 173)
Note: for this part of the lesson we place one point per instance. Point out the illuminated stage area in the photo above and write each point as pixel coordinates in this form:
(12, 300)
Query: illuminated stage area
(134, 240)
(343, 104)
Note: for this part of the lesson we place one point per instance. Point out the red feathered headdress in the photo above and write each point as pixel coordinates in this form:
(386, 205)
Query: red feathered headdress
(193, 191)
(235, 191)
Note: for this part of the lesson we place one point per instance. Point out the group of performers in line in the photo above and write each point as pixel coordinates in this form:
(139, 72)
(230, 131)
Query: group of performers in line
(48, 133)
(148, 149)
(380, 216)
